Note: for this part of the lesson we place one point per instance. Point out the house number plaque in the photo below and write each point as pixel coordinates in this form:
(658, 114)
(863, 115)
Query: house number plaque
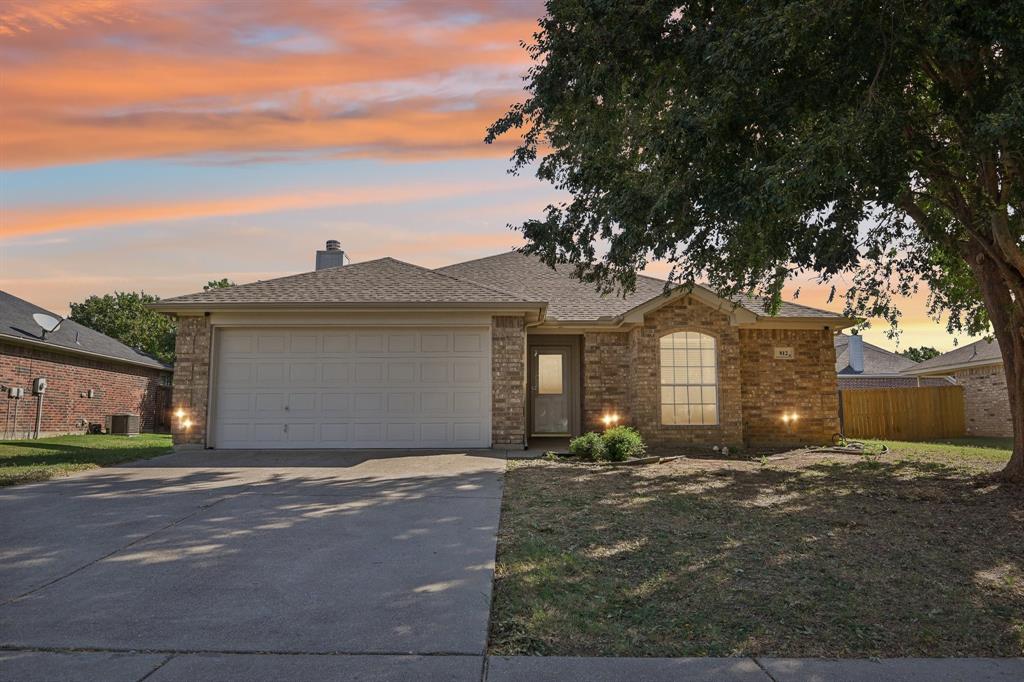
(784, 353)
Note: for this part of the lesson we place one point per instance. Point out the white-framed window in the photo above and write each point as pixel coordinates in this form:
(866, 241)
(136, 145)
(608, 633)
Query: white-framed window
(689, 379)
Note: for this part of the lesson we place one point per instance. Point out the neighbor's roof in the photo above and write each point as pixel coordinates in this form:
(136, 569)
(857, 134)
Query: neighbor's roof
(569, 299)
(972, 355)
(385, 281)
(16, 324)
(877, 361)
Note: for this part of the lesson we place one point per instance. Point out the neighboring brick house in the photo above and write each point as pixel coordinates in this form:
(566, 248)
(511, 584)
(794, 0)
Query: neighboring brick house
(89, 376)
(494, 352)
(860, 364)
(978, 367)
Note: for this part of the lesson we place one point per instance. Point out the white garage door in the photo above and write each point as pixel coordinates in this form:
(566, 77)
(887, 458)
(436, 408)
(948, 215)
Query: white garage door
(352, 388)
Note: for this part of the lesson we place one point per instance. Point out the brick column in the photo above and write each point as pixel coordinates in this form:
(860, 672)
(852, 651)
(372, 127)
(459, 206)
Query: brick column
(508, 381)
(192, 379)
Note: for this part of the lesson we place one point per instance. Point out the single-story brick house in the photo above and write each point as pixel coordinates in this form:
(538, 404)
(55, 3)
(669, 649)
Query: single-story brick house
(492, 352)
(978, 367)
(860, 364)
(89, 376)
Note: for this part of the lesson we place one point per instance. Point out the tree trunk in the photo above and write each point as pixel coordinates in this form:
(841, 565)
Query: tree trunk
(1007, 318)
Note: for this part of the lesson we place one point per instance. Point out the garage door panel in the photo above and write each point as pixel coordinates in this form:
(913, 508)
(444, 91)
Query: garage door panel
(268, 374)
(434, 371)
(270, 343)
(368, 403)
(434, 402)
(402, 343)
(268, 432)
(269, 404)
(467, 371)
(468, 343)
(435, 343)
(304, 343)
(369, 343)
(336, 404)
(369, 372)
(333, 434)
(354, 388)
(303, 373)
(337, 343)
(335, 373)
(401, 403)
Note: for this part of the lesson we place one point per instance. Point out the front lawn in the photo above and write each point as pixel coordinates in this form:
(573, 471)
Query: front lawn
(22, 461)
(907, 554)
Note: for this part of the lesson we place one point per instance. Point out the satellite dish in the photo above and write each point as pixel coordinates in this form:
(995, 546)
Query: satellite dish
(48, 323)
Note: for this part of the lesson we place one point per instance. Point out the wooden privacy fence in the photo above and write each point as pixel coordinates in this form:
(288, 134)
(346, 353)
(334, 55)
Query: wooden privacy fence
(903, 413)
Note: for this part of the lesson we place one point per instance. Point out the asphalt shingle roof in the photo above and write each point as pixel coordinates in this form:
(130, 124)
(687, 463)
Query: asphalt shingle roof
(16, 322)
(572, 300)
(876, 360)
(978, 353)
(385, 281)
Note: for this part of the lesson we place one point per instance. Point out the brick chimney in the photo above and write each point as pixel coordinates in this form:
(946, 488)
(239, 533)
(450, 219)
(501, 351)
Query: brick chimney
(332, 256)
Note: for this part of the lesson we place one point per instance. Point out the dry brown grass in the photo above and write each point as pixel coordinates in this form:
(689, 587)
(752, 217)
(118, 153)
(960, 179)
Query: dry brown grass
(915, 554)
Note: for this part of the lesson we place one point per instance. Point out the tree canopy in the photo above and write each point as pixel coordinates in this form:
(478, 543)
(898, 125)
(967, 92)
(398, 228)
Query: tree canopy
(920, 353)
(222, 283)
(124, 316)
(871, 146)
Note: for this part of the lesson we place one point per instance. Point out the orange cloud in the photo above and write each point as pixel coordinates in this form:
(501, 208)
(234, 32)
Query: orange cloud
(107, 79)
(42, 219)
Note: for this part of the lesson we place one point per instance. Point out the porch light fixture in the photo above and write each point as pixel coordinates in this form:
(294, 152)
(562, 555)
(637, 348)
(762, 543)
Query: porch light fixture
(788, 417)
(179, 413)
(187, 424)
(610, 419)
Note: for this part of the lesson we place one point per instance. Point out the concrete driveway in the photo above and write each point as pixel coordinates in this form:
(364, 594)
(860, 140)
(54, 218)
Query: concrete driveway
(163, 568)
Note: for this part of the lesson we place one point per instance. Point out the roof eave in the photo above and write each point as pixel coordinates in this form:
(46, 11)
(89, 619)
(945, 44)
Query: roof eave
(947, 369)
(224, 306)
(18, 340)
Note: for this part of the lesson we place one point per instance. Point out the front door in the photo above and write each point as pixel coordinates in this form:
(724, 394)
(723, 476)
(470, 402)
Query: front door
(551, 391)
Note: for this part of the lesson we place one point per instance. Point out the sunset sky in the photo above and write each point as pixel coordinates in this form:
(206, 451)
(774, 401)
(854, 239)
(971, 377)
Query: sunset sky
(158, 145)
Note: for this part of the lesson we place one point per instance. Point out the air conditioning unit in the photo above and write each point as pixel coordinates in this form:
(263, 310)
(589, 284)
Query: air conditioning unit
(124, 424)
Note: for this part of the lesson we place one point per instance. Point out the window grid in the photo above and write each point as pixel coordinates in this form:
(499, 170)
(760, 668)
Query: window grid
(689, 379)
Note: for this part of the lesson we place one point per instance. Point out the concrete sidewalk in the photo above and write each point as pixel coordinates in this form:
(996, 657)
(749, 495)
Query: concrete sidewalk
(32, 666)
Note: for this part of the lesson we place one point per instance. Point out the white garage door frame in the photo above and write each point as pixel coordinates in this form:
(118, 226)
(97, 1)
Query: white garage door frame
(351, 386)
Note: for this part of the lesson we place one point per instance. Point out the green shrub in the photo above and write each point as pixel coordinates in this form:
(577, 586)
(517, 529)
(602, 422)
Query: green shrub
(622, 443)
(588, 446)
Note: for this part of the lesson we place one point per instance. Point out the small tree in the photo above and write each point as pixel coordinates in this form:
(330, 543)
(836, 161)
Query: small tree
(920, 353)
(218, 284)
(746, 143)
(124, 316)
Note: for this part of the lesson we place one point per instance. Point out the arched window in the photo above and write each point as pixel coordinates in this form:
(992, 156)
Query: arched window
(689, 379)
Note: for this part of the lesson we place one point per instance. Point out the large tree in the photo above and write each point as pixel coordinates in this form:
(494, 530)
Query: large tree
(878, 144)
(125, 316)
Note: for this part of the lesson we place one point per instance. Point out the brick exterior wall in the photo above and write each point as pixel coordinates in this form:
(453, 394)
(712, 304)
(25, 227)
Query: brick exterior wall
(192, 379)
(685, 314)
(606, 377)
(621, 373)
(986, 401)
(805, 385)
(508, 381)
(117, 388)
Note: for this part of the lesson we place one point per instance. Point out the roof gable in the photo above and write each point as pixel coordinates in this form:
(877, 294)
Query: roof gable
(16, 323)
(983, 352)
(383, 281)
(570, 300)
